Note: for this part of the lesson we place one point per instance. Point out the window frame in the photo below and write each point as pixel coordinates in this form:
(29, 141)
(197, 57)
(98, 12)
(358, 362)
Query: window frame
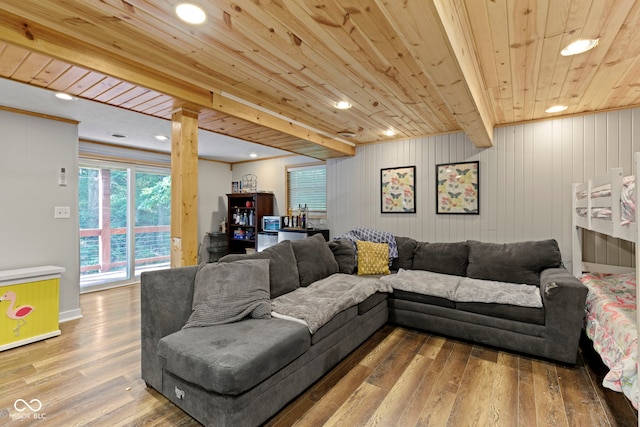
(312, 214)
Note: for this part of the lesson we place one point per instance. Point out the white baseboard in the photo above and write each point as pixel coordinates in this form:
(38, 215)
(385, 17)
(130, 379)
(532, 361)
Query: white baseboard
(65, 316)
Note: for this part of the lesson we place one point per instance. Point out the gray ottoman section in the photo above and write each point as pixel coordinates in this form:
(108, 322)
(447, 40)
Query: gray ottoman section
(230, 359)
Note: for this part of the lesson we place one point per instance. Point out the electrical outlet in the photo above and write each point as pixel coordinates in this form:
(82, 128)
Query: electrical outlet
(62, 212)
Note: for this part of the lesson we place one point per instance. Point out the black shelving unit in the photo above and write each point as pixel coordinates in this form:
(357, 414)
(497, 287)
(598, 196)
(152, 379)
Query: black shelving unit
(243, 234)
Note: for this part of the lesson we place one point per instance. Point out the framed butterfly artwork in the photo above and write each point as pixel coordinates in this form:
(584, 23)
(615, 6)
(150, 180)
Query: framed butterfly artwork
(457, 188)
(398, 190)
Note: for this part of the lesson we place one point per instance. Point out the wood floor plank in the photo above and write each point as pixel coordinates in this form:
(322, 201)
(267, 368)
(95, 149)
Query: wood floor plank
(504, 396)
(391, 368)
(323, 409)
(433, 377)
(576, 391)
(548, 398)
(473, 401)
(378, 354)
(526, 393)
(395, 403)
(90, 375)
(436, 410)
(357, 410)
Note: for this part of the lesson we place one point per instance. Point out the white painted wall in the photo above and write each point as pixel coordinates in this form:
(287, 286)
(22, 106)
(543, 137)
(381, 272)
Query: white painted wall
(271, 176)
(525, 181)
(32, 150)
(214, 181)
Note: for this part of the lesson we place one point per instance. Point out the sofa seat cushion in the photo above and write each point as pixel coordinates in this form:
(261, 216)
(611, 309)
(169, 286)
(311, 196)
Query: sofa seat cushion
(318, 303)
(505, 311)
(422, 298)
(464, 289)
(371, 302)
(334, 324)
(230, 359)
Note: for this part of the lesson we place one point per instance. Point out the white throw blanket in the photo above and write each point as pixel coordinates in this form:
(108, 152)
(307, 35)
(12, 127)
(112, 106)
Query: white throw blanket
(319, 302)
(465, 289)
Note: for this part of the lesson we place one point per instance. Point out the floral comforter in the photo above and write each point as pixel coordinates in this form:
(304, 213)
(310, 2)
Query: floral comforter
(610, 322)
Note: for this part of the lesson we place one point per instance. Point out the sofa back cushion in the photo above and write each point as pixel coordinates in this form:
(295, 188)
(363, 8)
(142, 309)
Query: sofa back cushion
(406, 246)
(229, 292)
(283, 269)
(444, 258)
(519, 262)
(314, 259)
(345, 254)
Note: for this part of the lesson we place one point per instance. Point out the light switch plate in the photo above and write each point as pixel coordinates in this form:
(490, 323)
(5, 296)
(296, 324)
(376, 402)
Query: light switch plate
(62, 212)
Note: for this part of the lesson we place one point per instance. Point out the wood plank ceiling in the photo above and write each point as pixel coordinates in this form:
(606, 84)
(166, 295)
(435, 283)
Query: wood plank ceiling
(270, 71)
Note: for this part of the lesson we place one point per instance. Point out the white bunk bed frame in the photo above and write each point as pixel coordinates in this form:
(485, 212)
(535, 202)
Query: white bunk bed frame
(608, 226)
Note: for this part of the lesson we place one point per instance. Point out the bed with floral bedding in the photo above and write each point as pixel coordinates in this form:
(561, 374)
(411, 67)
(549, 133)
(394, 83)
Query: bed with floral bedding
(611, 323)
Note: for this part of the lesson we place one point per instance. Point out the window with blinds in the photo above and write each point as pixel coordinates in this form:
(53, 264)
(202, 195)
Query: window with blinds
(308, 185)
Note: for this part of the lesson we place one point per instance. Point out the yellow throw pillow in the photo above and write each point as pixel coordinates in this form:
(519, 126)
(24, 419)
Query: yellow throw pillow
(373, 258)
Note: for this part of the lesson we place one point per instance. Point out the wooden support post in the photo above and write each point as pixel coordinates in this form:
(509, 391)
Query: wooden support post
(184, 188)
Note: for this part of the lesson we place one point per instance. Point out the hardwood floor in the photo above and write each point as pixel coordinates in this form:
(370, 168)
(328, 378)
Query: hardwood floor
(90, 375)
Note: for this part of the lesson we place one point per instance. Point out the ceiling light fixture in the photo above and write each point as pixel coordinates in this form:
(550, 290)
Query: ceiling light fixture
(579, 46)
(161, 137)
(556, 109)
(342, 105)
(65, 96)
(389, 132)
(253, 155)
(190, 13)
(346, 134)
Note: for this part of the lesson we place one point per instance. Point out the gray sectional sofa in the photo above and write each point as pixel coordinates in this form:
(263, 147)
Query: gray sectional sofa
(211, 345)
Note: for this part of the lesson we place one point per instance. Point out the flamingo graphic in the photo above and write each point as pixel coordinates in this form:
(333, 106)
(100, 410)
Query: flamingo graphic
(16, 313)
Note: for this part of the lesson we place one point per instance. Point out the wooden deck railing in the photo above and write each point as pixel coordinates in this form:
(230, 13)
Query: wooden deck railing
(104, 238)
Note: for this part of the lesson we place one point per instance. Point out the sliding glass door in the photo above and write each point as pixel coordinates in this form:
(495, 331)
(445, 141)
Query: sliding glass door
(153, 221)
(113, 248)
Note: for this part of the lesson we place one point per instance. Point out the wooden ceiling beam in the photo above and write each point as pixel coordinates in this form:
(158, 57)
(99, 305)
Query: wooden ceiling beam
(253, 115)
(37, 38)
(472, 109)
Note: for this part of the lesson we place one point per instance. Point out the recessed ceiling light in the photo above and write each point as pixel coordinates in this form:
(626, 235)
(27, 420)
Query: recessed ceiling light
(161, 137)
(118, 135)
(65, 96)
(342, 105)
(556, 109)
(389, 132)
(579, 46)
(346, 134)
(253, 155)
(190, 13)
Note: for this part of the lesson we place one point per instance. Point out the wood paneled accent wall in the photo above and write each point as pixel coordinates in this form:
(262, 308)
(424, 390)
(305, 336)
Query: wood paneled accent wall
(525, 182)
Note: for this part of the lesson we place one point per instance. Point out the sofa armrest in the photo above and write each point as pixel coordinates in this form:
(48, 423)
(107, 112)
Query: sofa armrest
(165, 305)
(563, 297)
